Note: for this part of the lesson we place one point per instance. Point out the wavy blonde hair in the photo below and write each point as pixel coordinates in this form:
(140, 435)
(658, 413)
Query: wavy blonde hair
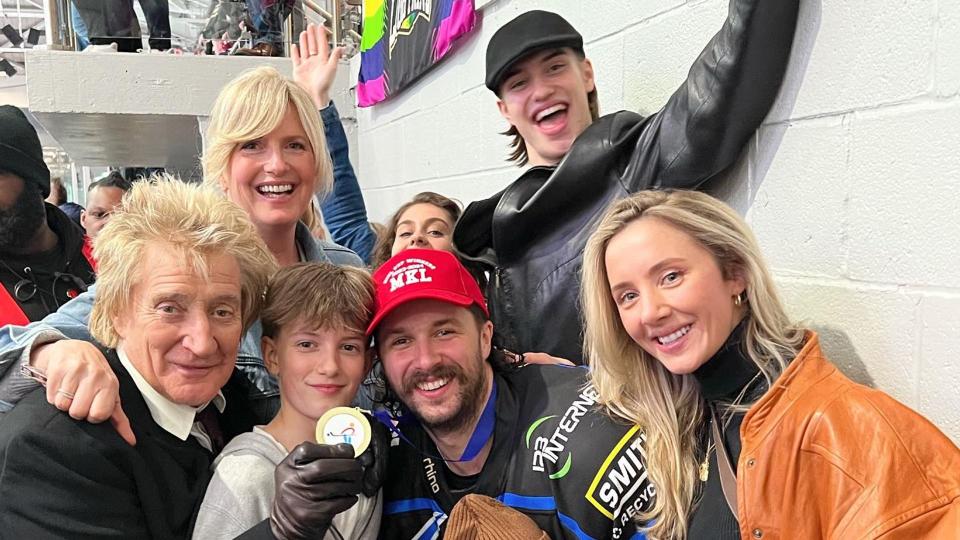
(251, 106)
(195, 221)
(634, 385)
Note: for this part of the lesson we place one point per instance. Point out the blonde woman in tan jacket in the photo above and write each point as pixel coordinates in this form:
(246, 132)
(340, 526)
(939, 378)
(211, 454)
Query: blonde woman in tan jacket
(750, 431)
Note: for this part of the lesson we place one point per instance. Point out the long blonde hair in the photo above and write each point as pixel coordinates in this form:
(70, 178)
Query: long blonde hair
(251, 106)
(634, 385)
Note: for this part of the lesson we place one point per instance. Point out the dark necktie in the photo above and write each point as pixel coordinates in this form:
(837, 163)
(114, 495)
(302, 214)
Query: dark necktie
(209, 418)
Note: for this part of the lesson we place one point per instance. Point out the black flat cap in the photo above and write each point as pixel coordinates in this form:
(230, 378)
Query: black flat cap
(528, 32)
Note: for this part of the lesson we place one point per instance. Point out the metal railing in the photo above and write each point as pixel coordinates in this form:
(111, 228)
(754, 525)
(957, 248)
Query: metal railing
(58, 26)
(341, 17)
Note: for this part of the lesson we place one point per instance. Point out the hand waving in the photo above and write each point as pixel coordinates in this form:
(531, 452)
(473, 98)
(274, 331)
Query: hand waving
(314, 64)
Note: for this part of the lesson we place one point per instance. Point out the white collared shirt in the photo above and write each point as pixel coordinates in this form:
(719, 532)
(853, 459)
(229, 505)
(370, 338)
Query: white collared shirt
(175, 418)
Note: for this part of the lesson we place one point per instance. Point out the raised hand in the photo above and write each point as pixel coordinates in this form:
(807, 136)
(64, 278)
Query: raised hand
(314, 64)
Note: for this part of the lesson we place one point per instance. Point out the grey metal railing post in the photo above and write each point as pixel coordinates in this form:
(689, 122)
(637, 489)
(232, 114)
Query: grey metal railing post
(288, 34)
(58, 25)
(332, 18)
(337, 23)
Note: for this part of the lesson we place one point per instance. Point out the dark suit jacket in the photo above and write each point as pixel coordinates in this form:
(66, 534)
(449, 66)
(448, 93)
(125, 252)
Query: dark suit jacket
(62, 478)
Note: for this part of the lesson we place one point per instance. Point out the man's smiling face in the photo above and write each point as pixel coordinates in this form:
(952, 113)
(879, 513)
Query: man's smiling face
(544, 96)
(434, 356)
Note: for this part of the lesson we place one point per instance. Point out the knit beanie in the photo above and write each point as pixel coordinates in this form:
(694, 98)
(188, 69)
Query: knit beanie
(20, 150)
(478, 517)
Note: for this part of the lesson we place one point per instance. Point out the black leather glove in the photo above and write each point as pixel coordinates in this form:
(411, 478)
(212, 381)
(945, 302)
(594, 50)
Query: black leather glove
(314, 483)
(374, 458)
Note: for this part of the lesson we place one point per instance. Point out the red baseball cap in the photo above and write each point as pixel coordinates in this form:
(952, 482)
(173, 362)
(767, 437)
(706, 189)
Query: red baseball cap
(415, 274)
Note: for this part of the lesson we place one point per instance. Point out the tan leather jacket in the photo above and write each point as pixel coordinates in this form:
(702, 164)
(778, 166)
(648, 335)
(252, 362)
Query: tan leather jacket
(824, 457)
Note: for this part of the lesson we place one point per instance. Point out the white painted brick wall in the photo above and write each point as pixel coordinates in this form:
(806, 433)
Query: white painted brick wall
(852, 186)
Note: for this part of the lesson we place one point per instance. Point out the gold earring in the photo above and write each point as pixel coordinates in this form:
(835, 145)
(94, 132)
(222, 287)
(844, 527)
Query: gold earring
(738, 299)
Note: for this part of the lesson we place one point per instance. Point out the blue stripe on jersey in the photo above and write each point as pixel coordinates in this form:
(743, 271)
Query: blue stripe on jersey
(431, 532)
(571, 524)
(529, 503)
(431, 529)
(411, 505)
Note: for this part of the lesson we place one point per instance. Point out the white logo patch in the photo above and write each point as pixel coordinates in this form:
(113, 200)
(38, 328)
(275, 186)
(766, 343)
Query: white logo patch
(407, 272)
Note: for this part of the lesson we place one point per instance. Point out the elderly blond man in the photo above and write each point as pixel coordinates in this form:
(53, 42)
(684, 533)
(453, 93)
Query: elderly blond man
(182, 272)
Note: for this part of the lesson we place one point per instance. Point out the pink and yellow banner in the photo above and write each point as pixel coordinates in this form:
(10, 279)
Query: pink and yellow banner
(403, 39)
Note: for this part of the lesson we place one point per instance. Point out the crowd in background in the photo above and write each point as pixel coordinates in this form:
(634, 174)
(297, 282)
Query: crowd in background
(238, 27)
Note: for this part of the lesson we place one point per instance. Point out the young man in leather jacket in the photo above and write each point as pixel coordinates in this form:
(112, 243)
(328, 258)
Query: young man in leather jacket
(529, 238)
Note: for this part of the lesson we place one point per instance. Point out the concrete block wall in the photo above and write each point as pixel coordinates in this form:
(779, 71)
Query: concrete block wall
(851, 185)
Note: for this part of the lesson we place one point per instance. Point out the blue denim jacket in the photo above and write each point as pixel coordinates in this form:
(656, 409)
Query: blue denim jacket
(344, 211)
(70, 321)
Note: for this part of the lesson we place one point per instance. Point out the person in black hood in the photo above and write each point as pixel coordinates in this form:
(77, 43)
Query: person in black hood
(529, 238)
(42, 264)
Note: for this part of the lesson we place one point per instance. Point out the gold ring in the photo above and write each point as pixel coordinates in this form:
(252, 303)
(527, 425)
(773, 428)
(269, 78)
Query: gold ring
(64, 393)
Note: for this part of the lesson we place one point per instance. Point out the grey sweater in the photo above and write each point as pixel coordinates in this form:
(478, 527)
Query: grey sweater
(240, 494)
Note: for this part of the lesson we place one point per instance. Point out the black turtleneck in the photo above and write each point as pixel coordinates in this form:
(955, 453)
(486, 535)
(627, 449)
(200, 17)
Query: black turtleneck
(722, 379)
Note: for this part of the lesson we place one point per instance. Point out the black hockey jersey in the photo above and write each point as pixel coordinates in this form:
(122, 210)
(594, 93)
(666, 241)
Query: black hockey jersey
(556, 457)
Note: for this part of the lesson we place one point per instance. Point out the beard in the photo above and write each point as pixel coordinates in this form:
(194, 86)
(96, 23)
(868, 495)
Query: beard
(20, 222)
(469, 399)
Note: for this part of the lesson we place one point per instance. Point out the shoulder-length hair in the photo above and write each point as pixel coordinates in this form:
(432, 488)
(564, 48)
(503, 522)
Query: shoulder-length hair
(384, 246)
(195, 221)
(635, 386)
(251, 106)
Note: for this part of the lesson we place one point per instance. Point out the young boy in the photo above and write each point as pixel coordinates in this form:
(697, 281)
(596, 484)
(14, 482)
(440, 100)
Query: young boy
(313, 319)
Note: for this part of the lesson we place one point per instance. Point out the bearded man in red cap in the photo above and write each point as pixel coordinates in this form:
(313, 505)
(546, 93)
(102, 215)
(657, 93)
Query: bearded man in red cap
(470, 423)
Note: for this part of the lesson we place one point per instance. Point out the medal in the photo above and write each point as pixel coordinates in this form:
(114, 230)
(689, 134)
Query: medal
(344, 425)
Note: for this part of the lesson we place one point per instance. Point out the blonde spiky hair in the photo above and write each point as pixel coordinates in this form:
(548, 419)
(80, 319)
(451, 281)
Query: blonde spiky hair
(193, 220)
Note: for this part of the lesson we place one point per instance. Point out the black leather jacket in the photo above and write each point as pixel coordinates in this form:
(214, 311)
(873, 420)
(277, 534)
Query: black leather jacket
(529, 238)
